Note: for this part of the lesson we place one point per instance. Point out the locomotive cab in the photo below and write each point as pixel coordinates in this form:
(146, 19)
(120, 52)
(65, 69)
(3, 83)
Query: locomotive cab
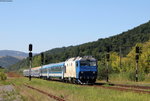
(87, 70)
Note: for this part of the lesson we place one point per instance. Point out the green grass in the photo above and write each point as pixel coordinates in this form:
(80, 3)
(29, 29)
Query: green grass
(122, 78)
(72, 92)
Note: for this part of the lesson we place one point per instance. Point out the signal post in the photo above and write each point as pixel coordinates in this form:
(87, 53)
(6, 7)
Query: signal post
(30, 60)
(42, 62)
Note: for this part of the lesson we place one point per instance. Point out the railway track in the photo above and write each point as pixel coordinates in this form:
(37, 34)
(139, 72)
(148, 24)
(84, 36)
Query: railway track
(123, 87)
(120, 87)
(43, 92)
(131, 86)
(32, 99)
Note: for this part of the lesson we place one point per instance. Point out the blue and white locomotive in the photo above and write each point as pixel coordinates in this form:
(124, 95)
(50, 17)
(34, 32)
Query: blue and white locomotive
(76, 70)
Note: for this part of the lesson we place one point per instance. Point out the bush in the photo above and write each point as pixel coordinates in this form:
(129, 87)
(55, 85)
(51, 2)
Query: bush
(102, 74)
(141, 76)
(119, 77)
(3, 76)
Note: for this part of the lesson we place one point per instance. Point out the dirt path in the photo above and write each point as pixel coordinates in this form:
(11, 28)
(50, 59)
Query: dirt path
(13, 74)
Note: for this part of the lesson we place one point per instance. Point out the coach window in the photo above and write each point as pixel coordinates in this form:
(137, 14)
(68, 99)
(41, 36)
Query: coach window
(64, 69)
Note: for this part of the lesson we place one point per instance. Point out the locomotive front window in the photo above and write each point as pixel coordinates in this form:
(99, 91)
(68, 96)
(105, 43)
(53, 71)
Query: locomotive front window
(87, 63)
(92, 63)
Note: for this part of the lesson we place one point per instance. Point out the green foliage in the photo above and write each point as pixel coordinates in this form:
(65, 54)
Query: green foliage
(8, 61)
(2, 70)
(115, 62)
(119, 77)
(141, 76)
(3, 76)
(128, 63)
(143, 60)
(101, 70)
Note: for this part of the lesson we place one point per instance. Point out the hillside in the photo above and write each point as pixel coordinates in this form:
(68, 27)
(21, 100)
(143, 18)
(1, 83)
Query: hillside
(10, 57)
(17, 54)
(8, 60)
(125, 40)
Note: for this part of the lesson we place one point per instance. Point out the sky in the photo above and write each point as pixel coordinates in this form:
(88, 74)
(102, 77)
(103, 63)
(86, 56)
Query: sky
(50, 24)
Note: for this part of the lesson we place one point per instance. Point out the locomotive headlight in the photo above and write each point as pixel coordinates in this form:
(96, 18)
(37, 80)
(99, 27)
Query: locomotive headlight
(81, 72)
(93, 72)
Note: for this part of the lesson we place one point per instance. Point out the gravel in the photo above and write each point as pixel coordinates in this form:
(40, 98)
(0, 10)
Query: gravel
(7, 88)
(8, 93)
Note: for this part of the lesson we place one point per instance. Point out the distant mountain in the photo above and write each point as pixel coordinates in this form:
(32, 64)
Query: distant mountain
(8, 60)
(16, 54)
(10, 57)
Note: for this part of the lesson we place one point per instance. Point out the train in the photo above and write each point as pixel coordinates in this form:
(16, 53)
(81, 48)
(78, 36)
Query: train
(80, 70)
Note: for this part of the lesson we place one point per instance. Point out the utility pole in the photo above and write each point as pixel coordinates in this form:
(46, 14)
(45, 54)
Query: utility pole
(137, 50)
(30, 60)
(107, 65)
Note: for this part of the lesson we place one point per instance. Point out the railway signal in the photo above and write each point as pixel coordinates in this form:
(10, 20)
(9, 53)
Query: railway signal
(30, 60)
(30, 55)
(30, 47)
(42, 58)
(137, 49)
